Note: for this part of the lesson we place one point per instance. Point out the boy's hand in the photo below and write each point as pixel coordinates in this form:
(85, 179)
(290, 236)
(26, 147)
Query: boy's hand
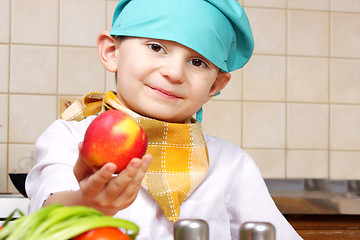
(106, 192)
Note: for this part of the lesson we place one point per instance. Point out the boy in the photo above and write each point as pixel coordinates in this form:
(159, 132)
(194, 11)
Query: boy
(169, 58)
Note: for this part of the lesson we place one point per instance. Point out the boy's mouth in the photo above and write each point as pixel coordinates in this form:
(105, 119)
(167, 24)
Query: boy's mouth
(164, 92)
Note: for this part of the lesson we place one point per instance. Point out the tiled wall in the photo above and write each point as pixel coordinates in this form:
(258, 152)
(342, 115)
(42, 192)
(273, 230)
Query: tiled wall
(295, 107)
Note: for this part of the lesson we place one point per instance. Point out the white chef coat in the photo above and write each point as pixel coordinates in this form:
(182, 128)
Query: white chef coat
(233, 191)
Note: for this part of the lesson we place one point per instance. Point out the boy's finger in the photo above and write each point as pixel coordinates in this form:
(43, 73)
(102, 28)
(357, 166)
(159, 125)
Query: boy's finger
(129, 177)
(123, 179)
(147, 158)
(81, 169)
(131, 190)
(136, 168)
(137, 178)
(96, 182)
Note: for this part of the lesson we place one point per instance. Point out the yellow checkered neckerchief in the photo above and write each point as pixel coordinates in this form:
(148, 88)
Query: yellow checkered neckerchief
(180, 157)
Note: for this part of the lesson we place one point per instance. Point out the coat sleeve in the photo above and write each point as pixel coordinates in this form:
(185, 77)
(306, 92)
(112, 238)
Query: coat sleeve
(55, 154)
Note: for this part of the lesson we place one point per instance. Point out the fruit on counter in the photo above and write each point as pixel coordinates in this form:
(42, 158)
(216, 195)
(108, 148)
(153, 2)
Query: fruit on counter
(105, 233)
(113, 137)
(58, 222)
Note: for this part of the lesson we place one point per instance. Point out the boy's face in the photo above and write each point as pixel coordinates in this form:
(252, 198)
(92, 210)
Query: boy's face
(164, 79)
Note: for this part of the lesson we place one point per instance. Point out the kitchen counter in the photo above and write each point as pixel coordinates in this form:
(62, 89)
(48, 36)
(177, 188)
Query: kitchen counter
(315, 196)
(10, 202)
(292, 196)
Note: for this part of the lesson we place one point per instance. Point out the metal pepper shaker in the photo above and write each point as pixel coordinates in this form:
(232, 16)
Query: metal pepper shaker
(191, 229)
(257, 231)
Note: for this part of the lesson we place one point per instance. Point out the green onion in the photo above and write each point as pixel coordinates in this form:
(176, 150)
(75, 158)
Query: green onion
(10, 217)
(73, 228)
(19, 228)
(59, 215)
(56, 222)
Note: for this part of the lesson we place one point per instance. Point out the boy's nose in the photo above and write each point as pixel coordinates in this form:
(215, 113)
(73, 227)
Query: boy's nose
(173, 70)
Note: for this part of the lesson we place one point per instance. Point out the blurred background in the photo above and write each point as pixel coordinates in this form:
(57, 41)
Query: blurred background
(295, 107)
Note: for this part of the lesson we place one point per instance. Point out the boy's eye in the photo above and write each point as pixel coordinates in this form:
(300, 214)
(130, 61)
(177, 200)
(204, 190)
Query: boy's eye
(198, 62)
(156, 47)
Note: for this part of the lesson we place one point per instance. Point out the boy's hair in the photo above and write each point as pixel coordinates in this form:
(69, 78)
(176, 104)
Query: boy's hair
(217, 29)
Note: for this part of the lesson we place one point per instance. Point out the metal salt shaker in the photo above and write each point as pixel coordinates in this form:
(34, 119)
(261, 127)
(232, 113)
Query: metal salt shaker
(191, 229)
(257, 231)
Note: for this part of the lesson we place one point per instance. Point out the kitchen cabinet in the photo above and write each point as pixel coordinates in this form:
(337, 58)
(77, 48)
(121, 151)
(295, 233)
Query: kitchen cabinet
(326, 227)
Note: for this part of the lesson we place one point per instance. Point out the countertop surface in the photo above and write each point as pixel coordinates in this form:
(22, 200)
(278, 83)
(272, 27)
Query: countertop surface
(292, 196)
(10, 202)
(315, 196)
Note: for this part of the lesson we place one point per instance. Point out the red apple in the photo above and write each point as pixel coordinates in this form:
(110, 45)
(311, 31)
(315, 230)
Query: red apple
(113, 137)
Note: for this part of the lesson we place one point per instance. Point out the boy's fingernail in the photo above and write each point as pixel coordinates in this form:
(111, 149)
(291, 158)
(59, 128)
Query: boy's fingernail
(136, 164)
(148, 159)
(111, 168)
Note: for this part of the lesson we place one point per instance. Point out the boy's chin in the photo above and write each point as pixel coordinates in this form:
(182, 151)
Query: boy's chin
(162, 113)
(166, 117)
(169, 119)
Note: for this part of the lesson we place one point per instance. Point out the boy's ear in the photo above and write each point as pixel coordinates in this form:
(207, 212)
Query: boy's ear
(107, 46)
(221, 81)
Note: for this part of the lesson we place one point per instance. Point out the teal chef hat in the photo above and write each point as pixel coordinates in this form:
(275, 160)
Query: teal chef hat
(217, 29)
